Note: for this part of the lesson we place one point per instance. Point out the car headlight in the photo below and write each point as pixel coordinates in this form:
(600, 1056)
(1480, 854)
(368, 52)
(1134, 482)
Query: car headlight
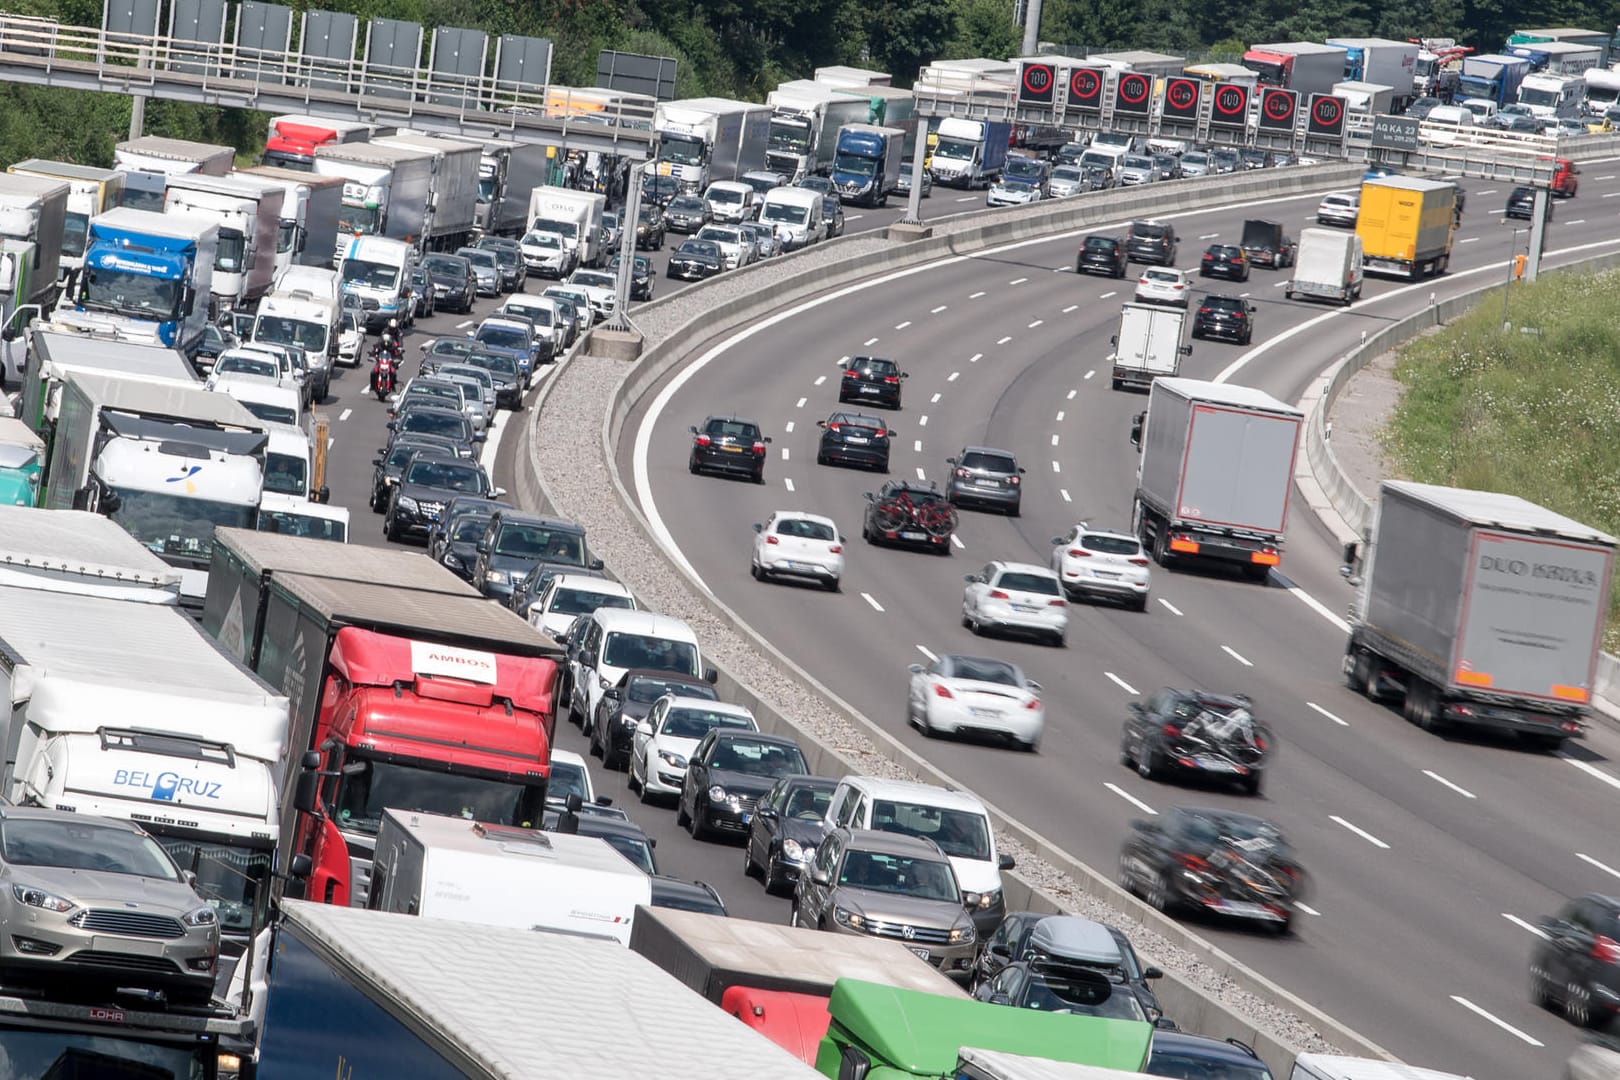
(27, 894)
(852, 919)
(452, 561)
(407, 503)
(203, 916)
(497, 575)
(793, 849)
(672, 759)
(962, 935)
(988, 899)
(717, 793)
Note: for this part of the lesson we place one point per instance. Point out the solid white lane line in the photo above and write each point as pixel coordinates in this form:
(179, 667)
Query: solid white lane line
(1018, 281)
(1169, 606)
(1065, 493)
(344, 415)
(924, 650)
(975, 358)
(902, 326)
(935, 399)
(1054, 440)
(939, 309)
(957, 541)
(1317, 708)
(976, 295)
(953, 376)
(868, 598)
(1234, 654)
(1071, 394)
(922, 421)
(917, 446)
(1521, 924)
(1060, 416)
(789, 482)
(921, 475)
(1437, 778)
(1056, 467)
(870, 342)
(1359, 831)
(1036, 323)
(784, 453)
(464, 325)
(1121, 683)
(1071, 307)
(1592, 770)
(1605, 867)
(1503, 1024)
(789, 428)
(1307, 909)
(1106, 295)
(1132, 799)
(1088, 375)
(1004, 340)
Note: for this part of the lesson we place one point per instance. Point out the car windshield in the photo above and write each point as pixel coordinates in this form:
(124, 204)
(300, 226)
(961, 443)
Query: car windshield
(429, 390)
(502, 337)
(367, 787)
(286, 474)
(444, 264)
(247, 365)
(736, 430)
(593, 279)
(996, 463)
(782, 213)
(634, 848)
(567, 778)
(470, 529)
(692, 723)
(1100, 243)
(687, 204)
(434, 422)
(724, 195)
(757, 758)
(1172, 1063)
(701, 249)
(1024, 168)
(543, 239)
(1166, 277)
(962, 834)
(584, 601)
(480, 258)
(1030, 583)
(1204, 829)
(805, 530)
(451, 347)
(1111, 545)
(524, 541)
(1149, 232)
(902, 875)
(980, 669)
(371, 275)
(233, 878)
(1194, 159)
(647, 689)
(539, 314)
(447, 476)
(1133, 162)
(400, 453)
(1054, 991)
(719, 235)
(871, 368)
(806, 803)
(1066, 172)
(496, 362)
(82, 845)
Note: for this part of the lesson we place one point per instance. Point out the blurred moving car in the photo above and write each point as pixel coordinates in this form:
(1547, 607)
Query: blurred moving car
(1193, 731)
(1575, 964)
(1222, 863)
(958, 693)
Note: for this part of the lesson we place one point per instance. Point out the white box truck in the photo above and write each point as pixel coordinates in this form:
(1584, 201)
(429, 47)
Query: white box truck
(1148, 345)
(387, 190)
(805, 120)
(575, 216)
(702, 140)
(247, 210)
(310, 206)
(1327, 266)
(147, 162)
(502, 875)
(91, 191)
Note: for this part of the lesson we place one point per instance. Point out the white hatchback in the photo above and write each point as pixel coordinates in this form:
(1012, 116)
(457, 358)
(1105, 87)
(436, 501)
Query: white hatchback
(1161, 285)
(663, 743)
(1107, 564)
(568, 596)
(735, 248)
(957, 694)
(1016, 596)
(798, 545)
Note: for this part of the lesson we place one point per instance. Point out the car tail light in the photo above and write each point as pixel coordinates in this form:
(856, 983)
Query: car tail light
(1606, 950)
(1138, 561)
(1080, 553)
(851, 373)
(1259, 743)
(881, 434)
(837, 549)
(1142, 280)
(1057, 603)
(1192, 862)
(1013, 480)
(772, 540)
(891, 379)
(962, 474)
(997, 594)
(835, 427)
(1208, 257)
(704, 440)
(1203, 311)
(759, 448)
(943, 691)
(1172, 731)
(1033, 703)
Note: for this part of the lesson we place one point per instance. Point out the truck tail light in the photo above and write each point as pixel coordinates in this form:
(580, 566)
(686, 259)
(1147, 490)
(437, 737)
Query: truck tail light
(1184, 546)
(1266, 557)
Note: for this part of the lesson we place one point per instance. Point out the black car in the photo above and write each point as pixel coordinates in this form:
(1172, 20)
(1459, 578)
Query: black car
(1213, 861)
(1103, 255)
(385, 468)
(699, 896)
(659, 191)
(832, 216)
(1230, 318)
(446, 350)
(1191, 731)
(851, 438)
(1422, 107)
(429, 480)
(623, 836)
(1069, 153)
(503, 372)
(516, 542)
(426, 418)
(641, 276)
(909, 512)
(1224, 160)
(1224, 261)
(1253, 157)
(1521, 204)
(453, 540)
(787, 827)
(687, 214)
(731, 445)
(626, 704)
(1575, 965)
(1010, 943)
(986, 477)
(1178, 1053)
(424, 301)
(215, 340)
(696, 260)
(650, 228)
(871, 380)
(1151, 242)
(509, 257)
(1265, 243)
(728, 773)
(455, 287)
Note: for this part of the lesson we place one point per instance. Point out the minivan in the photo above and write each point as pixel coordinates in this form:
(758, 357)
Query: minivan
(612, 641)
(955, 820)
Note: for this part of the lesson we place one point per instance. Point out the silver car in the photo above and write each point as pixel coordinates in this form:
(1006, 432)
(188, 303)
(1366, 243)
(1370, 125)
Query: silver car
(485, 268)
(1066, 180)
(888, 885)
(1196, 163)
(87, 898)
(766, 241)
(1138, 169)
(477, 394)
(1339, 208)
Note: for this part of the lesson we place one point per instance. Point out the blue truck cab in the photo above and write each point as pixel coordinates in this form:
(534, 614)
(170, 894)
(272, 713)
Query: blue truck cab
(146, 276)
(866, 163)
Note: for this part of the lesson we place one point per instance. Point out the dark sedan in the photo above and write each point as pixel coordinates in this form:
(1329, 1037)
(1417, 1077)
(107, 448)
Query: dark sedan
(871, 380)
(423, 298)
(687, 214)
(1224, 261)
(832, 215)
(849, 438)
(423, 418)
(659, 191)
(730, 445)
(454, 285)
(698, 896)
(910, 513)
(1575, 965)
(1214, 861)
(650, 228)
(503, 372)
(455, 545)
(430, 480)
(1190, 731)
(696, 260)
(1521, 204)
(626, 704)
(445, 350)
(1011, 940)
(641, 277)
(386, 468)
(787, 827)
(461, 506)
(215, 341)
(1181, 1053)
(729, 771)
(1103, 255)
(1229, 318)
(509, 259)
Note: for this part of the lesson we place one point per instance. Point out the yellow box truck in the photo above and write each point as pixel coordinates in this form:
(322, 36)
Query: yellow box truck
(1406, 226)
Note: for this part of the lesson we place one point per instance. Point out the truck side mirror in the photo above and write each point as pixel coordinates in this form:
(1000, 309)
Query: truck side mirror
(300, 866)
(188, 300)
(324, 495)
(306, 798)
(1136, 431)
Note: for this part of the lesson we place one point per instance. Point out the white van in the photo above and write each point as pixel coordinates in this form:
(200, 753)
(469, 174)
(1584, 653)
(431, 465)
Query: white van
(289, 455)
(795, 214)
(731, 201)
(292, 516)
(955, 820)
(318, 280)
(1333, 1067)
(617, 640)
(271, 403)
(1444, 121)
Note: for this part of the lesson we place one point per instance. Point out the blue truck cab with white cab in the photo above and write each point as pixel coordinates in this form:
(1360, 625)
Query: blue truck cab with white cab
(146, 277)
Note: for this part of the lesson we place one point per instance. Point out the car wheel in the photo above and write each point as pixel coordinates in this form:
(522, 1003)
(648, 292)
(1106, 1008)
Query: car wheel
(793, 915)
(1252, 783)
(755, 570)
(1158, 893)
(692, 465)
(750, 867)
(773, 875)
(1147, 762)
(1126, 879)
(700, 822)
(1125, 758)
(1029, 746)
(682, 818)
(1016, 509)
(1540, 997)
(835, 585)
(759, 477)
(1578, 1004)
(1140, 603)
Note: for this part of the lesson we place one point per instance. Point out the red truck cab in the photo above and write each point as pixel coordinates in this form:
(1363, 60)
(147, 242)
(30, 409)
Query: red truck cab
(416, 725)
(795, 1022)
(292, 145)
(1566, 178)
(1270, 68)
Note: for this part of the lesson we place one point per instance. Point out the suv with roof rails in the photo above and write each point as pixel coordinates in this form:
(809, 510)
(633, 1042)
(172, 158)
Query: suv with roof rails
(872, 380)
(1152, 242)
(515, 542)
(983, 476)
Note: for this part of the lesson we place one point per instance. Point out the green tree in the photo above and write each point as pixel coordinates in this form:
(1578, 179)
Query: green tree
(985, 28)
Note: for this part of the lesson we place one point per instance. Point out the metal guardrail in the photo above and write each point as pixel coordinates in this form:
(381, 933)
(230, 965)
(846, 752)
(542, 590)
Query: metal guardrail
(46, 53)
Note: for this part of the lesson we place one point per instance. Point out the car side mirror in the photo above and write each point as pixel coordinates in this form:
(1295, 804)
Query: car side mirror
(500, 493)
(1056, 540)
(915, 669)
(819, 423)
(1022, 470)
(376, 463)
(1135, 708)
(604, 800)
(999, 948)
(596, 564)
(1000, 999)
(393, 424)
(643, 728)
(971, 579)
(711, 676)
(1006, 862)
(479, 436)
(905, 375)
(767, 438)
(306, 791)
(693, 429)
(758, 527)
(1152, 973)
(870, 497)
(768, 813)
(483, 547)
(820, 877)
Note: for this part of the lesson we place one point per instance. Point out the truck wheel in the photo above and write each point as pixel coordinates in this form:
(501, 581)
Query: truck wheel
(1161, 550)
(1356, 679)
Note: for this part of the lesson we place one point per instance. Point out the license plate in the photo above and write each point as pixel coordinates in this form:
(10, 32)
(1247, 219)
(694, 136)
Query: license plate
(856, 440)
(869, 389)
(921, 953)
(747, 815)
(1214, 764)
(1243, 907)
(1031, 608)
(983, 712)
(732, 449)
(913, 536)
(1105, 574)
(985, 483)
(127, 946)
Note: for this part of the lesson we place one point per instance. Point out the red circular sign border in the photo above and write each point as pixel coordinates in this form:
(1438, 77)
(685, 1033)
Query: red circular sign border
(1051, 78)
(1274, 95)
(1236, 90)
(1135, 77)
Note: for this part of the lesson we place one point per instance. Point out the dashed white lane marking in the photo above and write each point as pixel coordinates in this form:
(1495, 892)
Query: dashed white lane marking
(854, 217)
(1054, 440)
(1209, 236)
(1071, 307)
(922, 421)
(1313, 706)
(1234, 654)
(1018, 281)
(953, 376)
(1088, 375)
(924, 650)
(1245, 295)
(1593, 771)
(1106, 295)
(935, 399)
(1609, 177)
(965, 198)
(841, 361)
(1521, 924)
(956, 541)
(784, 453)
(976, 295)
(975, 358)
(1437, 778)
(870, 342)
(1056, 467)
(1121, 683)
(1004, 340)
(1071, 394)
(939, 309)
(921, 475)
(1605, 867)
(1468, 240)
(329, 443)
(1281, 284)
(902, 326)
(1065, 493)
(1609, 195)
(1169, 606)
(1132, 799)
(344, 415)
(870, 600)
(1307, 909)
(464, 325)
(789, 482)
(1488, 191)
(917, 446)
(1577, 221)
(1359, 831)
(1060, 416)
(1036, 323)
(789, 427)
(1503, 1024)
(1060, 269)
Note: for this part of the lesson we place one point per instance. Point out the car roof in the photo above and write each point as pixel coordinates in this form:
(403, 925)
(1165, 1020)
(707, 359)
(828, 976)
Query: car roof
(892, 843)
(567, 757)
(803, 515)
(507, 320)
(825, 783)
(603, 826)
(1206, 1046)
(652, 623)
(728, 707)
(731, 418)
(668, 887)
(756, 736)
(661, 675)
(989, 450)
(878, 787)
(1069, 937)
(1024, 568)
(509, 514)
(590, 581)
(42, 813)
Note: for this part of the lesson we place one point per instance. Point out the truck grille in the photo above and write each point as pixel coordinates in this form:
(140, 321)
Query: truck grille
(922, 935)
(128, 923)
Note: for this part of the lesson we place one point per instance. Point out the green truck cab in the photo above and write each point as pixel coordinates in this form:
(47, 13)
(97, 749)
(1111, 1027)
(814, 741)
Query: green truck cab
(885, 1033)
(22, 458)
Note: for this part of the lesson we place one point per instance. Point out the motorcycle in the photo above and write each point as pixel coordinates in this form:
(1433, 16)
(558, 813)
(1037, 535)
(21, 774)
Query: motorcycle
(384, 370)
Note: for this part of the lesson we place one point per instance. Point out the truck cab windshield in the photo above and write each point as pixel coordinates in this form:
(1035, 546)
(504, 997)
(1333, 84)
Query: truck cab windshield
(370, 786)
(680, 149)
(45, 1052)
(278, 330)
(132, 294)
(955, 150)
(286, 236)
(1268, 74)
(174, 525)
(1530, 96)
(788, 136)
(370, 275)
(232, 878)
(287, 474)
(310, 528)
(228, 256)
(854, 163)
(486, 189)
(358, 219)
(75, 231)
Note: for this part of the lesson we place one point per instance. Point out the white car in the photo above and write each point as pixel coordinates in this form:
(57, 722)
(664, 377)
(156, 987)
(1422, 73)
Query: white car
(1339, 208)
(975, 693)
(1162, 285)
(351, 339)
(1005, 192)
(1100, 563)
(244, 364)
(735, 248)
(543, 312)
(570, 775)
(1016, 596)
(664, 741)
(599, 287)
(798, 545)
(568, 596)
(546, 255)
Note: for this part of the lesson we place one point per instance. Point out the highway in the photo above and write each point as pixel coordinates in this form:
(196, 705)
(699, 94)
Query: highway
(1430, 858)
